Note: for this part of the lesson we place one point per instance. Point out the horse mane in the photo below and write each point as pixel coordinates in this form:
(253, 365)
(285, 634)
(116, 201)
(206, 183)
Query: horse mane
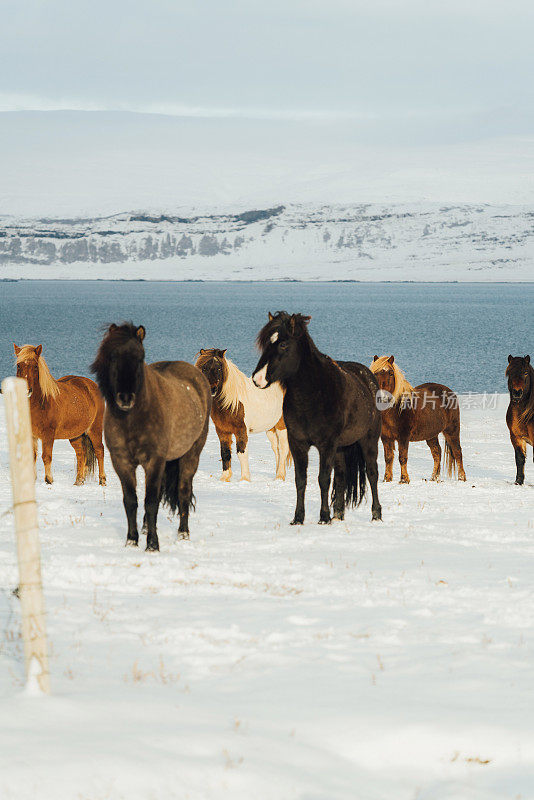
(48, 385)
(528, 413)
(402, 386)
(115, 335)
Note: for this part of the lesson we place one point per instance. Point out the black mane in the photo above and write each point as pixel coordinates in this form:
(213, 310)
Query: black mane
(116, 336)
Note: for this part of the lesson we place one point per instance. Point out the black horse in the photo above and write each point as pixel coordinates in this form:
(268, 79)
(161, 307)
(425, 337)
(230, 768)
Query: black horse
(327, 404)
(156, 416)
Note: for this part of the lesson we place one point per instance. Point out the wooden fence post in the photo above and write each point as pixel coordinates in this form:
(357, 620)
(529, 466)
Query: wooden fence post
(19, 433)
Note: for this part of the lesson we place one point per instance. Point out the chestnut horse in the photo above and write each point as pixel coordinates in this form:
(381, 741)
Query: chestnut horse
(68, 408)
(157, 416)
(240, 408)
(416, 414)
(520, 414)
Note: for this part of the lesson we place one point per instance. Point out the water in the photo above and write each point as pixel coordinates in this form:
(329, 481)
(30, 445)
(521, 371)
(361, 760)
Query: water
(456, 334)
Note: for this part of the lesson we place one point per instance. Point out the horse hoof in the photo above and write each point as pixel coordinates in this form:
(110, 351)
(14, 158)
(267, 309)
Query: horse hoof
(131, 543)
(102, 482)
(462, 478)
(79, 482)
(225, 478)
(297, 521)
(152, 548)
(244, 479)
(50, 481)
(339, 516)
(519, 483)
(404, 480)
(377, 516)
(183, 535)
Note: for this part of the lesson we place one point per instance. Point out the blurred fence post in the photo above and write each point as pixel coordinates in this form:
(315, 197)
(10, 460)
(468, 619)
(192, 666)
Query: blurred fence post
(19, 434)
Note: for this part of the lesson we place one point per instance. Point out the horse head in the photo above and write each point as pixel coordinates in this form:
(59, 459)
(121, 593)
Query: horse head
(280, 342)
(520, 377)
(212, 363)
(119, 365)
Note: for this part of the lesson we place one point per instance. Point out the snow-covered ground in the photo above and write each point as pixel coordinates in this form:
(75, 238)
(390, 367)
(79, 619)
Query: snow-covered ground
(384, 661)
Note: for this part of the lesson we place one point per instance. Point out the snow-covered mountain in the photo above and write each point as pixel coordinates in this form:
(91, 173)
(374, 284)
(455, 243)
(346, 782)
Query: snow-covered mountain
(297, 241)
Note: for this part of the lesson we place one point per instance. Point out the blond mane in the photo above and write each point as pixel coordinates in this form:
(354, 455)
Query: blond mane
(49, 386)
(235, 388)
(402, 387)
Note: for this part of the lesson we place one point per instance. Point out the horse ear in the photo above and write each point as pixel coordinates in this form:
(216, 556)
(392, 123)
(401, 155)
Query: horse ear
(527, 359)
(270, 316)
(202, 351)
(38, 350)
(306, 319)
(375, 358)
(391, 359)
(223, 352)
(140, 333)
(509, 358)
(112, 327)
(16, 348)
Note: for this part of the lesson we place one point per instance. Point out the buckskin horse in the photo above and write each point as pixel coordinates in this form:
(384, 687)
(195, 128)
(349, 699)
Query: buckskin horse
(240, 408)
(416, 414)
(520, 413)
(157, 416)
(68, 408)
(329, 405)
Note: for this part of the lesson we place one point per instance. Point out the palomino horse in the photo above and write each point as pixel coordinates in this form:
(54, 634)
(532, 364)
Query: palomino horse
(328, 405)
(240, 408)
(69, 408)
(157, 416)
(415, 415)
(520, 414)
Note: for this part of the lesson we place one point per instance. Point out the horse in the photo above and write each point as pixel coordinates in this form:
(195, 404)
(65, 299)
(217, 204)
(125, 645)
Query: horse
(415, 414)
(327, 404)
(520, 413)
(240, 408)
(157, 416)
(68, 408)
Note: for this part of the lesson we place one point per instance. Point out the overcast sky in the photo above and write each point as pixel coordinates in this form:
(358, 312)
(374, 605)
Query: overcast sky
(378, 59)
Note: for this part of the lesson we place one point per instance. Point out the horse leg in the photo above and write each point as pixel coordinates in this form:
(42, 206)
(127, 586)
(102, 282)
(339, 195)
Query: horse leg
(128, 481)
(283, 450)
(389, 454)
(77, 446)
(273, 441)
(369, 447)
(403, 460)
(241, 441)
(452, 437)
(435, 449)
(326, 463)
(153, 475)
(188, 468)
(339, 485)
(520, 450)
(95, 435)
(225, 440)
(299, 451)
(47, 446)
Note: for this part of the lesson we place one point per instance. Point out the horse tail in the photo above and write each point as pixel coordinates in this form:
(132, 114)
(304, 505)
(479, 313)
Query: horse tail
(169, 487)
(355, 475)
(90, 455)
(449, 461)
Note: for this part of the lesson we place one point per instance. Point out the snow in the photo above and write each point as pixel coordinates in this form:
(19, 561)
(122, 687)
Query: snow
(360, 660)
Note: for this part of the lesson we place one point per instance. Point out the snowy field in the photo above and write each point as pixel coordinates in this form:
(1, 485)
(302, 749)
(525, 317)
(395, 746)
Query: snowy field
(385, 661)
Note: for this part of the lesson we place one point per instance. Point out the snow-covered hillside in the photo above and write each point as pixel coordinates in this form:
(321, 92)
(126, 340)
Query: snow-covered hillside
(357, 242)
(358, 661)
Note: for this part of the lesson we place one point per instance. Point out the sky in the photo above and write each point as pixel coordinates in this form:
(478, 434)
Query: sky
(380, 63)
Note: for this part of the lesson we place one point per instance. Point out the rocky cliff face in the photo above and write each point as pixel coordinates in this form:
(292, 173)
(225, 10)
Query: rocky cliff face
(480, 235)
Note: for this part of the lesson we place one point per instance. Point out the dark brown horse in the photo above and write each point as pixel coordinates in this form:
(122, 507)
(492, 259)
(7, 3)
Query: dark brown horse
(327, 405)
(69, 408)
(520, 414)
(240, 408)
(414, 415)
(157, 416)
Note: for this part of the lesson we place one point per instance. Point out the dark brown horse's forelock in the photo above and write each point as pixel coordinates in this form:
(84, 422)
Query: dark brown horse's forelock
(117, 335)
(294, 325)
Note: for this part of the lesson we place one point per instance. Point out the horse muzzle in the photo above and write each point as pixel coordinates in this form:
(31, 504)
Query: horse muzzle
(517, 395)
(259, 378)
(125, 402)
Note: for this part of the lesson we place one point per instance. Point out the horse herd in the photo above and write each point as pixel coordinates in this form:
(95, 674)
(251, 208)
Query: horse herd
(157, 416)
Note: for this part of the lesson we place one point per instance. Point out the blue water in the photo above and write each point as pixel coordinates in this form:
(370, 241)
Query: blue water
(456, 334)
